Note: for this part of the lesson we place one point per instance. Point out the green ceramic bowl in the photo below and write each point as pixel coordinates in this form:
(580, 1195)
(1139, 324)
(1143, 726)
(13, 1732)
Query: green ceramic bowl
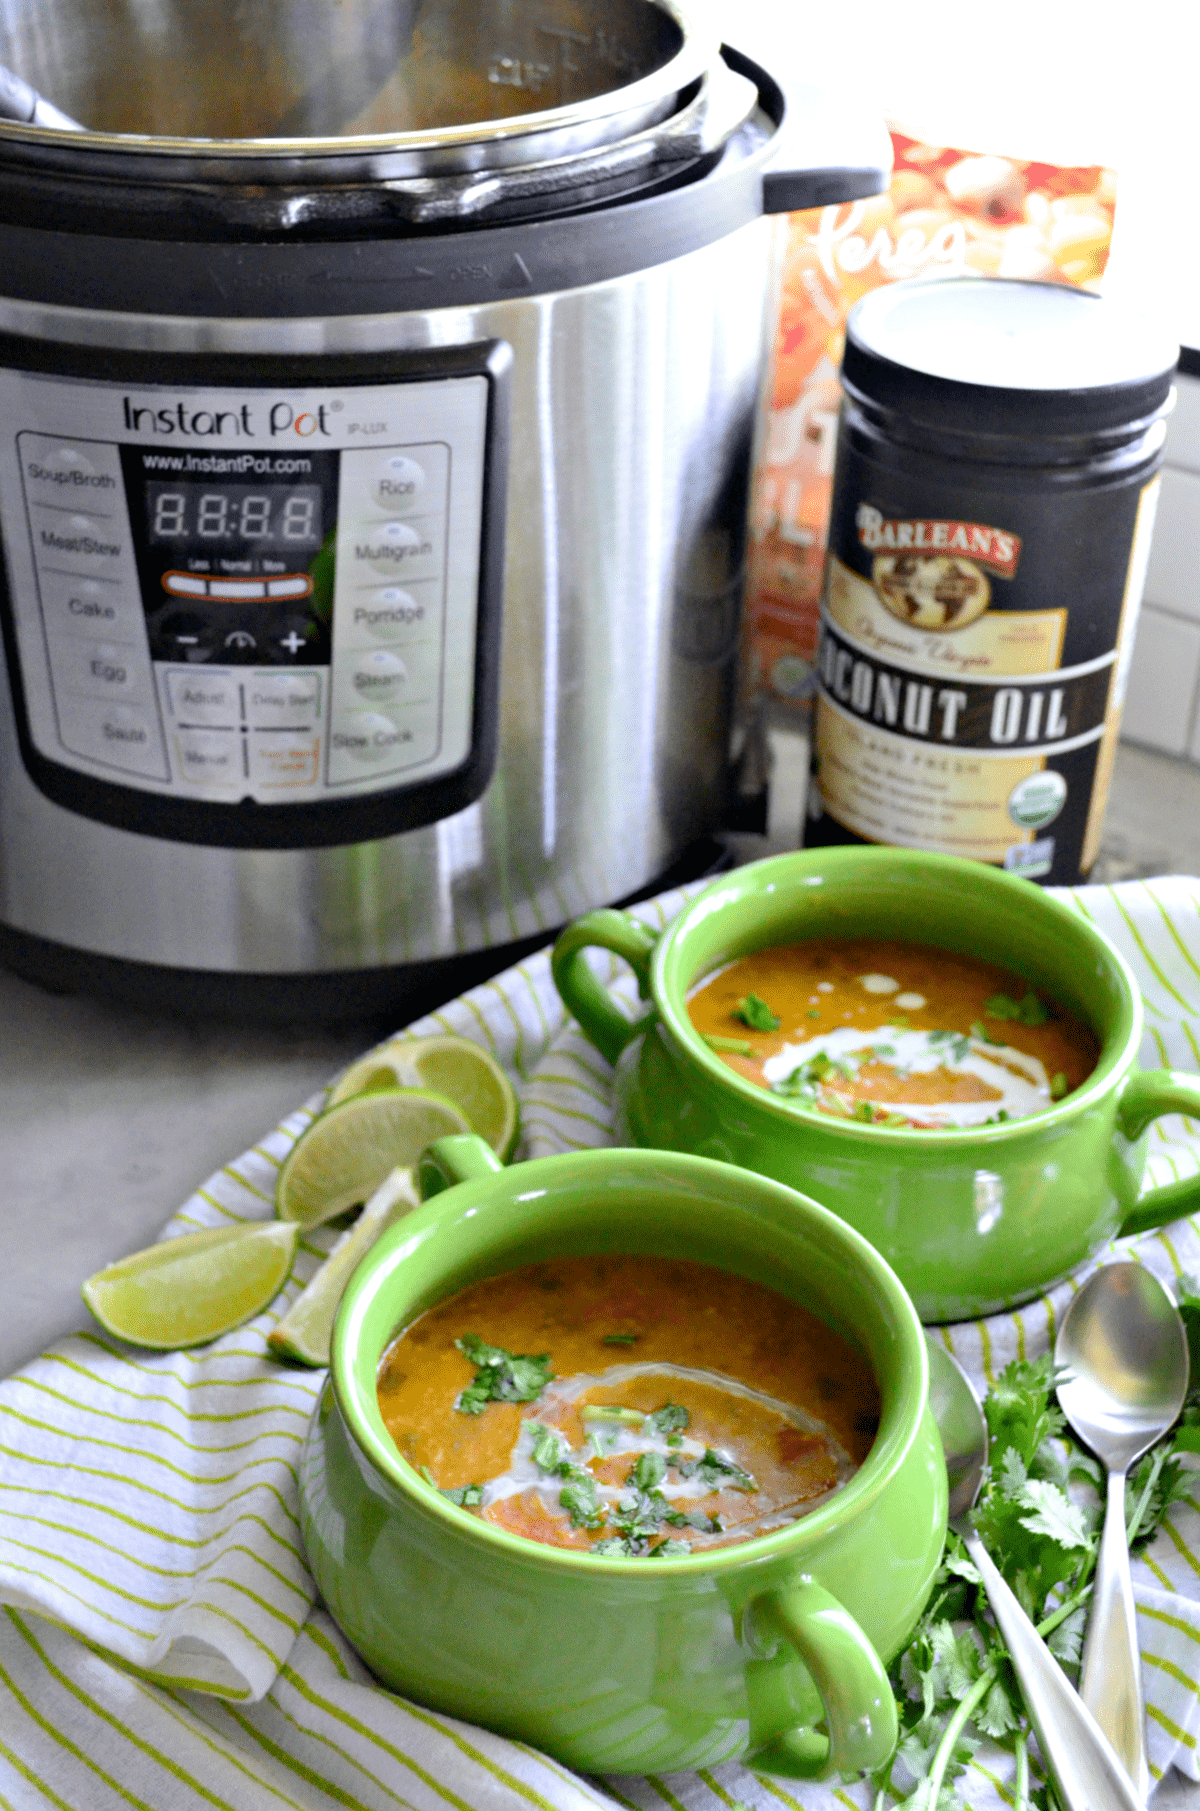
(972, 1221)
(629, 1665)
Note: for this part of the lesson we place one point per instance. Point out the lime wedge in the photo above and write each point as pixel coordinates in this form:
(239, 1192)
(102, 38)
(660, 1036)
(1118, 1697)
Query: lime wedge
(187, 1291)
(454, 1067)
(303, 1333)
(349, 1149)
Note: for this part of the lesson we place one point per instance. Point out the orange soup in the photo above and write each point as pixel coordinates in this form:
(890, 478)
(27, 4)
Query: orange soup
(893, 1034)
(628, 1405)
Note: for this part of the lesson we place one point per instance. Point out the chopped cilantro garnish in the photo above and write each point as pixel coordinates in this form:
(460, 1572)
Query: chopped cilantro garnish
(864, 1110)
(649, 1472)
(731, 1046)
(669, 1419)
(756, 1013)
(814, 1012)
(959, 1044)
(1028, 1011)
(600, 1411)
(669, 1549)
(578, 1497)
(717, 1471)
(899, 1020)
(468, 1496)
(1059, 1085)
(884, 1050)
(979, 1030)
(619, 1339)
(500, 1376)
(546, 1451)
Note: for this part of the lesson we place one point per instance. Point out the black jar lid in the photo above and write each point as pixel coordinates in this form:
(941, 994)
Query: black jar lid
(999, 357)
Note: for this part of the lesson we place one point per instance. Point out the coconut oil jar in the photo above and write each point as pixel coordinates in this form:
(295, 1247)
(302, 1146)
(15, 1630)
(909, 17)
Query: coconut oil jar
(993, 501)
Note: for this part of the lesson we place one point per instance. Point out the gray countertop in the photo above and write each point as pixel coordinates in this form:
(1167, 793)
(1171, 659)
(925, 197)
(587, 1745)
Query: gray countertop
(112, 1118)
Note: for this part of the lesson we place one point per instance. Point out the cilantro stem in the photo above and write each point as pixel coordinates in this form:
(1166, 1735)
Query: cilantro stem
(595, 1411)
(1021, 1784)
(1135, 1523)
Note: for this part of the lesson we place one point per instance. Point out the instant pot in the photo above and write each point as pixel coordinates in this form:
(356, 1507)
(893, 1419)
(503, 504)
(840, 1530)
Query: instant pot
(377, 394)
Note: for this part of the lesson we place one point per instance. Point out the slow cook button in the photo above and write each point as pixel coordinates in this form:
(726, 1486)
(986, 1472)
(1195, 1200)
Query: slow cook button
(117, 735)
(209, 757)
(100, 669)
(283, 701)
(390, 613)
(204, 696)
(400, 550)
(284, 761)
(67, 540)
(369, 738)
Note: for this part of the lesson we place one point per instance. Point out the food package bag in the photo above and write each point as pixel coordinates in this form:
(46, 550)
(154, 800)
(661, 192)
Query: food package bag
(948, 212)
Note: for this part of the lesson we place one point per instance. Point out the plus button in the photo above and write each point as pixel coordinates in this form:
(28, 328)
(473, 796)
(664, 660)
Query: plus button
(292, 642)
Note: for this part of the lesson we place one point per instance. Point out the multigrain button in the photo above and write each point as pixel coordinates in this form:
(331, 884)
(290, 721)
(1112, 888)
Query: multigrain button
(400, 484)
(379, 677)
(397, 550)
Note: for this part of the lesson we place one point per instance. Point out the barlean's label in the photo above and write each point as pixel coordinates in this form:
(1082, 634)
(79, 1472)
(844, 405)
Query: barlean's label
(972, 667)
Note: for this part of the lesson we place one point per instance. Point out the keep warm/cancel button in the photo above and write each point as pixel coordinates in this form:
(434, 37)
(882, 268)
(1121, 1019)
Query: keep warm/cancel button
(372, 740)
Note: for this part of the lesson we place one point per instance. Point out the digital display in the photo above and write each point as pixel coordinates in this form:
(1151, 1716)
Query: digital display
(248, 518)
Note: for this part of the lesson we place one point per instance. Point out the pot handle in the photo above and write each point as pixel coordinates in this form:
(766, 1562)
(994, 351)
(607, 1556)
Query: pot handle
(1147, 1096)
(860, 1711)
(826, 148)
(586, 998)
(463, 1157)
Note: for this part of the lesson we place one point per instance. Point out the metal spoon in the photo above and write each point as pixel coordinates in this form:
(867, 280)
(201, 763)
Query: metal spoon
(1122, 1343)
(1086, 1768)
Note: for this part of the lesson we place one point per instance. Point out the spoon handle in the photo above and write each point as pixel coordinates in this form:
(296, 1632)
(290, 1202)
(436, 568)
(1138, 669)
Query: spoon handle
(1110, 1683)
(1086, 1767)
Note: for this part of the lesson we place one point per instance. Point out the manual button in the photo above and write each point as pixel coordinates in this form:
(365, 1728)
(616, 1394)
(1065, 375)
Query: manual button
(209, 757)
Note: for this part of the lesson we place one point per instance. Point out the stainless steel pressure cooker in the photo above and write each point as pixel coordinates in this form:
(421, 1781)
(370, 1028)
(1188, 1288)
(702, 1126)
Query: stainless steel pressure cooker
(377, 389)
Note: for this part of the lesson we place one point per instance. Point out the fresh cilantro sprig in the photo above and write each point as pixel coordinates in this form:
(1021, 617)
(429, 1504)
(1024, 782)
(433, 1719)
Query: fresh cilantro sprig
(1028, 1011)
(500, 1376)
(953, 1682)
(756, 1014)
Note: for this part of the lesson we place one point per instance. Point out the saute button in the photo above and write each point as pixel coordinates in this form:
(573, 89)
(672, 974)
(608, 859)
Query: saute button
(399, 485)
(209, 757)
(118, 735)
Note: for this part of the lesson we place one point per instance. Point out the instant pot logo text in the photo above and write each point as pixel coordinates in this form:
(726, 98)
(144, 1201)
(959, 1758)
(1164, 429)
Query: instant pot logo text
(276, 418)
(993, 547)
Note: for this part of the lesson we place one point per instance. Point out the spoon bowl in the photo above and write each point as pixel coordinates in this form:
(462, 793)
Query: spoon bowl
(1088, 1771)
(1123, 1353)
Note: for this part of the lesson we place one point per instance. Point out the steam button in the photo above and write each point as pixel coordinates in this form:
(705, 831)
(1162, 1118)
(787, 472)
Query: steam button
(379, 677)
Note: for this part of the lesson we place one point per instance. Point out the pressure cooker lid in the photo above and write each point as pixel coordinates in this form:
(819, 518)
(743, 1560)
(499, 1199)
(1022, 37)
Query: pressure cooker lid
(471, 83)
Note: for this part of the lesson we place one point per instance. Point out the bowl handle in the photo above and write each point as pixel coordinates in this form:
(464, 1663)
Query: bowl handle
(1147, 1095)
(462, 1157)
(860, 1711)
(600, 1018)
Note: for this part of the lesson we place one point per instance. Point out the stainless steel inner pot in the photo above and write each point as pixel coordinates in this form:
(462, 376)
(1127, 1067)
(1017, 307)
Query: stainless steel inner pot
(497, 80)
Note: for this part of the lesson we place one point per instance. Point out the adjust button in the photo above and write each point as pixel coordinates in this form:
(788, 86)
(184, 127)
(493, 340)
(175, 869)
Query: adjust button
(201, 695)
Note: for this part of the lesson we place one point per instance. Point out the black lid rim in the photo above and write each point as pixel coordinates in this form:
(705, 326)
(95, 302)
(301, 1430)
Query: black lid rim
(954, 402)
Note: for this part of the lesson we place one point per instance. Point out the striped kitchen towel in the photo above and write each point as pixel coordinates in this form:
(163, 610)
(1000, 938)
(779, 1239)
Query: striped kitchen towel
(160, 1646)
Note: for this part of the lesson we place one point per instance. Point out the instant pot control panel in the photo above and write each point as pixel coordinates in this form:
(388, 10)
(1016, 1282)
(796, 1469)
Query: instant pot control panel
(256, 614)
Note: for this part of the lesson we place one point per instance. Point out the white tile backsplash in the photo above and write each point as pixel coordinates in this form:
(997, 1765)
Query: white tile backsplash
(1172, 575)
(1162, 682)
